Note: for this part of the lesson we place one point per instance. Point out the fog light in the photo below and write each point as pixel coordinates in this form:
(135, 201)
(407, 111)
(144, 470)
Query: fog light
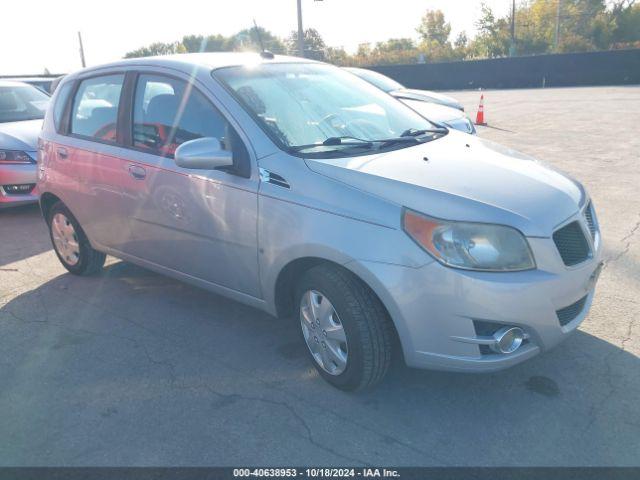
(19, 189)
(507, 340)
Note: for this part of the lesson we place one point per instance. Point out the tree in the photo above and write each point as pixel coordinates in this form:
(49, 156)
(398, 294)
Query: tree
(337, 56)
(158, 48)
(461, 40)
(494, 38)
(364, 50)
(433, 27)
(249, 40)
(626, 18)
(395, 45)
(461, 46)
(394, 51)
(535, 27)
(314, 46)
(434, 32)
(211, 43)
(585, 25)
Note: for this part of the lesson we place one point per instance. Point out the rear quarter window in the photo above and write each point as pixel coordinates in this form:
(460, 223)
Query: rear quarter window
(60, 102)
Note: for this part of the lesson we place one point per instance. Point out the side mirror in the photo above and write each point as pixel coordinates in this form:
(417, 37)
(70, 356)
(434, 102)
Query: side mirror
(203, 153)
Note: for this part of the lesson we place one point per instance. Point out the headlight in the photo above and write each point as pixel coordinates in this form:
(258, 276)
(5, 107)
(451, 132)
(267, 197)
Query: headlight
(470, 246)
(15, 156)
(462, 124)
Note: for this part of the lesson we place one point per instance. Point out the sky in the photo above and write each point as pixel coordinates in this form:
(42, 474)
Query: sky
(47, 35)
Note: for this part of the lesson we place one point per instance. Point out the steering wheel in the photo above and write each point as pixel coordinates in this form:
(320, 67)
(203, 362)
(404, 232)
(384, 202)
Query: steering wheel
(329, 120)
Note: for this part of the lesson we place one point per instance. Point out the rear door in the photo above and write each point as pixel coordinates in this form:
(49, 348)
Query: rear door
(90, 159)
(202, 223)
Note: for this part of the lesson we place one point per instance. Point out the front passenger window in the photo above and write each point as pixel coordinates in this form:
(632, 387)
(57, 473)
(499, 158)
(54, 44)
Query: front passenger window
(95, 107)
(168, 112)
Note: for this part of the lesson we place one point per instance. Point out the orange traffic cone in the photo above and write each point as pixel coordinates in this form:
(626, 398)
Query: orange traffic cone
(480, 115)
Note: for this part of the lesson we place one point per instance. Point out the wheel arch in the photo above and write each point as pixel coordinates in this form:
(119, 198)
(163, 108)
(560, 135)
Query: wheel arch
(47, 200)
(285, 282)
(284, 289)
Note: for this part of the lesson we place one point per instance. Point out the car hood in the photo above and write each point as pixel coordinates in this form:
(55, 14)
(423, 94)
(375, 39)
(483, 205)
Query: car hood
(460, 177)
(20, 135)
(427, 96)
(433, 111)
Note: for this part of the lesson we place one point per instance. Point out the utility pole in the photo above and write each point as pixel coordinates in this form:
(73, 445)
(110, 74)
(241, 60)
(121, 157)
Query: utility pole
(300, 30)
(84, 64)
(512, 48)
(557, 37)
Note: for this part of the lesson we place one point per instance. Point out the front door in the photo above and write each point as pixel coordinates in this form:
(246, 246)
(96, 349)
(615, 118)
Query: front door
(197, 222)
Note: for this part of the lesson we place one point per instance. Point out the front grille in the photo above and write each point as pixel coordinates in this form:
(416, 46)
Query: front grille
(572, 244)
(21, 189)
(588, 216)
(567, 314)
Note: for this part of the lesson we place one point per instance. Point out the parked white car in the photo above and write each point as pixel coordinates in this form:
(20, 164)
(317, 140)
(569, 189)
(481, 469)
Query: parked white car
(434, 106)
(43, 84)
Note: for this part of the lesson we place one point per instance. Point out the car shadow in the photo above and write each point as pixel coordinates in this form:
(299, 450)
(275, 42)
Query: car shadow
(23, 234)
(128, 328)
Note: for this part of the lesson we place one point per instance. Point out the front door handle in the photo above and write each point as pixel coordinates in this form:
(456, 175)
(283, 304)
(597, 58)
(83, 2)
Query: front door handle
(137, 172)
(62, 153)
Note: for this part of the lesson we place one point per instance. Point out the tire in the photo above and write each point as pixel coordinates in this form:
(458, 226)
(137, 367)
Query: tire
(71, 244)
(364, 320)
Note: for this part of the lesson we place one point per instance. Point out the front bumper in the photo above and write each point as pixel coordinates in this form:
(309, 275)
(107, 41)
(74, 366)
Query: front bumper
(434, 308)
(17, 175)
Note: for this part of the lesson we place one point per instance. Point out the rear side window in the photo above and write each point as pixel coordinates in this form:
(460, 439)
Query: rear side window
(95, 107)
(168, 112)
(61, 101)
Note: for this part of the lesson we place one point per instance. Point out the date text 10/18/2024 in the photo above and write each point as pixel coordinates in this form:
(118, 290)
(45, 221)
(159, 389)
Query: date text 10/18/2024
(316, 473)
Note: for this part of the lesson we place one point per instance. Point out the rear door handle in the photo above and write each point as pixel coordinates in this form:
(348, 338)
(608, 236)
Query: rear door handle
(62, 153)
(137, 172)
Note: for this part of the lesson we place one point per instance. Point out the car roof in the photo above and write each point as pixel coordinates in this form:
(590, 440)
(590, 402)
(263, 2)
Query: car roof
(209, 60)
(13, 83)
(31, 79)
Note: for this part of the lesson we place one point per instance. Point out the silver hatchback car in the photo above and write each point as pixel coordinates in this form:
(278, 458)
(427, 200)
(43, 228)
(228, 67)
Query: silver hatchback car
(298, 188)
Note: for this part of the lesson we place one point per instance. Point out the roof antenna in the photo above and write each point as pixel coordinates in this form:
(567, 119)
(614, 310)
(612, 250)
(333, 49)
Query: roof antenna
(266, 54)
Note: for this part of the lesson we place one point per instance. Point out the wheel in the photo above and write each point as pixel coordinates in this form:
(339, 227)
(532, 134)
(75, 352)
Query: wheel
(345, 327)
(71, 244)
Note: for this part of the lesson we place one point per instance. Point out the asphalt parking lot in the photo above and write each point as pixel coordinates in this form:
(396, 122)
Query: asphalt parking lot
(131, 368)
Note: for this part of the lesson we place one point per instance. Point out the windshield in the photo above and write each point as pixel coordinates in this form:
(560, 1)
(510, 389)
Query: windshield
(374, 78)
(22, 102)
(302, 105)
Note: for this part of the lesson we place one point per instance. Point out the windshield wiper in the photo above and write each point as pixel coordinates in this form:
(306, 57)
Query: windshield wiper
(346, 140)
(411, 135)
(414, 132)
(336, 141)
(408, 136)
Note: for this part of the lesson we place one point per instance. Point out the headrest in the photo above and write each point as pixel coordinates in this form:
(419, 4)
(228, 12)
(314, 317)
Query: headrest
(8, 101)
(162, 109)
